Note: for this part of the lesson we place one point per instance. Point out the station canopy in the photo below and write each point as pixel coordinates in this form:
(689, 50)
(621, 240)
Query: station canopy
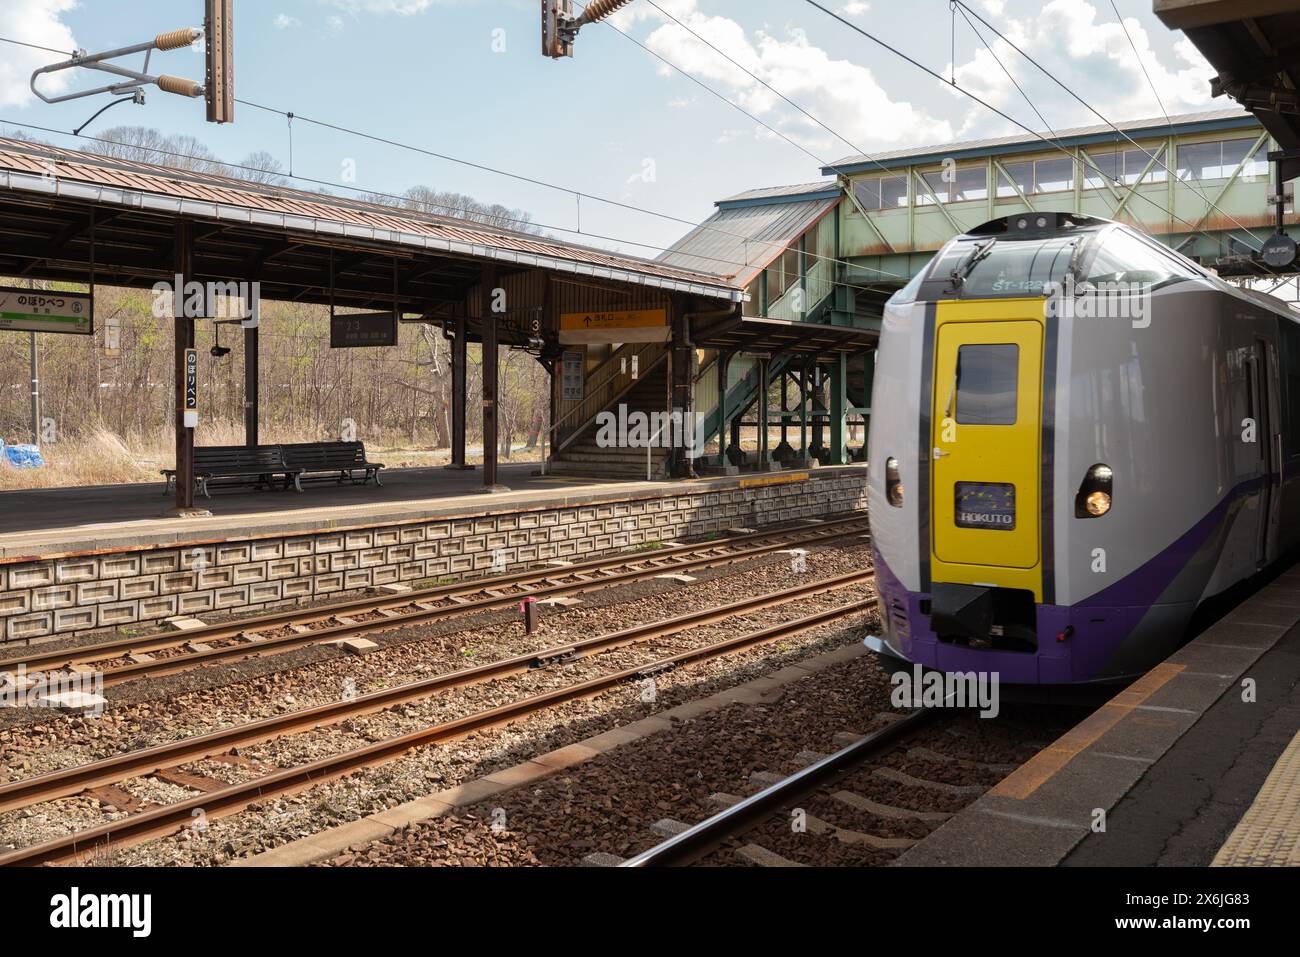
(65, 213)
(1253, 46)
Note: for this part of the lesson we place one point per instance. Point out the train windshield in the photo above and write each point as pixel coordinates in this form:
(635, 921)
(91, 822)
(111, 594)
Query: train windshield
(997, 267)
(991, 267)
(1123, 257)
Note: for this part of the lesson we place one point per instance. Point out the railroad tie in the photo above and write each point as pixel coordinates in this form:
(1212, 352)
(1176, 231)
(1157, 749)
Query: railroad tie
(957, 790)
(601, 859)
(669, 827)
(889, 811)
(845, 836)
(762, 857)
(925, 754)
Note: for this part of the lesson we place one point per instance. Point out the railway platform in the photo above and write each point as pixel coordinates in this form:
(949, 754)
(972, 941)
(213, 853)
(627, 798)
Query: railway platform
(1196, 763)
(81, 560)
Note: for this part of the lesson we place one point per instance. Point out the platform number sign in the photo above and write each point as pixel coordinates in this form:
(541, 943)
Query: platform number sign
(191, 409)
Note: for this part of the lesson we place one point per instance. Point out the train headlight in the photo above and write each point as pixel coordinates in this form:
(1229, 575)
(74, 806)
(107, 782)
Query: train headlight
(1094, 498)
(893, 483)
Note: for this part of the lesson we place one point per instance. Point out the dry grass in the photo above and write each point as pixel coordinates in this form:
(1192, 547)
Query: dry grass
(103, 457)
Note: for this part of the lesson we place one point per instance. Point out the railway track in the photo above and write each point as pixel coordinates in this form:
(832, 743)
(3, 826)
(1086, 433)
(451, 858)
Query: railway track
(712, 833)
(230, 799)
(900, 779)
(125, 659)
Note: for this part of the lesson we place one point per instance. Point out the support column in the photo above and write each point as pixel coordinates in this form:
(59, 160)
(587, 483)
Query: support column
(681, 361)
(868, 380)
(764, 364)
(783, 452)
(724, 368)
(34, 351)
(839, 405)
(490, 393)
(803, 411)
(459, 360)
(183, 326)
(251, 385)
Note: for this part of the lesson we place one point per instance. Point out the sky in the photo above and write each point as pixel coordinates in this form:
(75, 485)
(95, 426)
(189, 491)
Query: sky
(466, 79)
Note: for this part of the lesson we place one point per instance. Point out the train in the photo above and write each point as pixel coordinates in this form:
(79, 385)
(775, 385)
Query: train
(1078, 437)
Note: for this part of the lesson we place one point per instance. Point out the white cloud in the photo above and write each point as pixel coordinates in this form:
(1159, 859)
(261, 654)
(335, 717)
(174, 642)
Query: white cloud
(855, 8)
(1089, 53)
(844, 95)
(283, 21)
(32, 21)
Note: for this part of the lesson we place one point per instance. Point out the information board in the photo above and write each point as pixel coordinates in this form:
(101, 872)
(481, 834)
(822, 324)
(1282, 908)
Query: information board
(571, 386)
(362, 329)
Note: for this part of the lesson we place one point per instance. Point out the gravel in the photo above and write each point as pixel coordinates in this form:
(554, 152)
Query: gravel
(64, 741)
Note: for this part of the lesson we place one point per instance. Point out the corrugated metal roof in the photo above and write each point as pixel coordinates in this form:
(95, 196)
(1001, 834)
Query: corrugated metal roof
(1024, 142)
(50, 170)
(737, 242)
(804, 190)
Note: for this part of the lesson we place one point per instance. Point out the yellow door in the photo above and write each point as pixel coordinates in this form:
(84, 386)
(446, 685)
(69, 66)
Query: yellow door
(985, 444)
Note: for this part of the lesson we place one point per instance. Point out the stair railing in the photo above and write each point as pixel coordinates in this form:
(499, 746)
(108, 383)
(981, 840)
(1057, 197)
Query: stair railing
(602, 388)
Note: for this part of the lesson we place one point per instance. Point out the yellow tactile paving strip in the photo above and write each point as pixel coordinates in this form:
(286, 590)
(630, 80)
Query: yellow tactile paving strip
(1269, 833)
(1039, 769)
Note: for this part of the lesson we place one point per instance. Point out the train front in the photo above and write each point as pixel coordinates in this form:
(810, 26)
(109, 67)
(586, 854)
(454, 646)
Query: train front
(980, 526)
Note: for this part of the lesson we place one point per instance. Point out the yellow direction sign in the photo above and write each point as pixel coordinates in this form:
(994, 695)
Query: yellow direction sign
(621, 325)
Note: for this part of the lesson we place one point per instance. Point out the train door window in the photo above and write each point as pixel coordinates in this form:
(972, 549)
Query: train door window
(986, 383)
(1253, 404)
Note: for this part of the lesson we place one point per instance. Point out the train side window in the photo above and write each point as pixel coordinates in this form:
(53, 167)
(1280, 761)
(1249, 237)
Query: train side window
(987, 376)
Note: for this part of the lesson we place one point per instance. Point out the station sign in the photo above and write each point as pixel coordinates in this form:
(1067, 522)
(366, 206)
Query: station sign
(360, 330)
(44, 310)
(190, 418)
(1279, 251)
(625, 325)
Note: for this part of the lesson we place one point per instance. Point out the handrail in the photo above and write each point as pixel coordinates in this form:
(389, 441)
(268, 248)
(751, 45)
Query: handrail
(599, 391)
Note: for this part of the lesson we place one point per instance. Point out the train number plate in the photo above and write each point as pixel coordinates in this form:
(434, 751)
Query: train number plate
(990, 505)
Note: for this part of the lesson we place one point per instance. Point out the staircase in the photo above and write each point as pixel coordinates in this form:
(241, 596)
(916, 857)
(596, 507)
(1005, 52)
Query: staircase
(580, 455)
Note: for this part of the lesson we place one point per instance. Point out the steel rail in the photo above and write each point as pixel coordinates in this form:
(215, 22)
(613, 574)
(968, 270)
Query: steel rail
(696, 841)
(243, 628)
(234, 798)
(68, 781)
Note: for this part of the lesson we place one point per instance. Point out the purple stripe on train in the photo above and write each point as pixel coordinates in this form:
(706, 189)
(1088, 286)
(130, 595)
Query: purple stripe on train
(1101, 622)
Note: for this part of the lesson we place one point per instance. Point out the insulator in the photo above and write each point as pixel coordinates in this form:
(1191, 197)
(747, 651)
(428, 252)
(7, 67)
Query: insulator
(180, 86)
(177, 38)
(600, 9)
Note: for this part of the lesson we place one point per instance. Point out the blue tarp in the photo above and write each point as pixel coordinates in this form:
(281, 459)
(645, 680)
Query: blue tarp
(22, 456)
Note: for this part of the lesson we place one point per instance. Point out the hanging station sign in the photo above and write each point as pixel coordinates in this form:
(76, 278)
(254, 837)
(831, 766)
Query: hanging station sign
(626, 325)
(359, 330)
(43, 310)
(190, 410)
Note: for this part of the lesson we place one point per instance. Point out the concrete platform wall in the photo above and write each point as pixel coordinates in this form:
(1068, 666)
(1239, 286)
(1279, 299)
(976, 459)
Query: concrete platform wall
(140, 584)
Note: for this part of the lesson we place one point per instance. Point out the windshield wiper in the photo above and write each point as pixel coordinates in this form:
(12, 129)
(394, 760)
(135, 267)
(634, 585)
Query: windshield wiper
(963, 268)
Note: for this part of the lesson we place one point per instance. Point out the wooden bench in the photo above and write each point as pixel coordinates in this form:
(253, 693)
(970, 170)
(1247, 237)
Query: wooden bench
(224, 466)
(336, 461)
